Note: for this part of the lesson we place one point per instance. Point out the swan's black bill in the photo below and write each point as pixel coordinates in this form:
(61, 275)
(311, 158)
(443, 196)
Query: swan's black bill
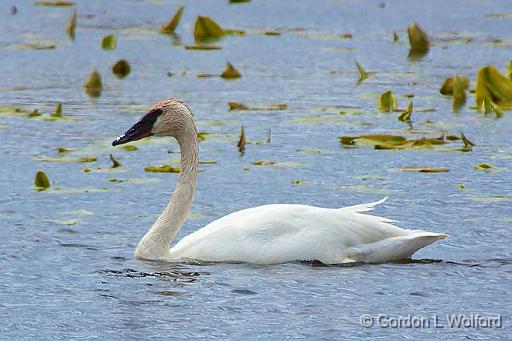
(140, 129)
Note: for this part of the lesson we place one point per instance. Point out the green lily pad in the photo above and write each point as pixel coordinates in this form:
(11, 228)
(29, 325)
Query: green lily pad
(206, 29)
(109, 42)
(231, 72)
(425, 169)
(121, 68)
(93, 84)
(162, 169)
(419, 43)
(241, 141)
(387, 101)
(71, 28)
(170, 26)
(41, 181)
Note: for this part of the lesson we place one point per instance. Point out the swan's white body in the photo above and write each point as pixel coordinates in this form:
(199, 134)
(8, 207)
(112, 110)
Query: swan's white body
(273, 234)
(266, 234)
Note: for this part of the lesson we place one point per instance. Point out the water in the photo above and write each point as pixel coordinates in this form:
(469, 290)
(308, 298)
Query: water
(66, 256)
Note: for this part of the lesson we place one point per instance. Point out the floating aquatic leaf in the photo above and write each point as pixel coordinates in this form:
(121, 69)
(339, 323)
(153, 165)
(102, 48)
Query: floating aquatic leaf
(263, 163)
(93, 85)
(170, 26)
(54, 3)
(115, 163)
(508, 72)
(206, 75)
(387, 101)
(460, 85)
(41, 181)
(483, 167)
(396, 37)
(162, 169)
(272, 33)
(494, 86)
(109, 42)
(419, 43)
(203, 47)
(34, 113)
(58, 110)
(373, 138)
(66, 159)
(362, 73)
(313, 151)
(121, 68)
(86, 170)
(207, 29)
(130, 148)
(406, 115)
(425, 169)
(345, 36)
(467, 142)
(71, 28)
(298, 182)
(447, 87)
(61, 150)
(238, 1)
(37, 46)
(452, 137)
(241, 141)
(207, 162)
(201, 136)
(231, 72)
(242, 106)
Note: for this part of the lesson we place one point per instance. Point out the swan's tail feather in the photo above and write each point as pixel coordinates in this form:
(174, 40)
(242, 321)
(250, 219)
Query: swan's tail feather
(396, 248)
(363, 207)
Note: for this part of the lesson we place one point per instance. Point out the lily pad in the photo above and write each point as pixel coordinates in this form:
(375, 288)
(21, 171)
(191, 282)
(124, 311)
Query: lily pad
(483, 167)
(263, 163)
(447, 87)
(387, 101)
(495, 87)
(362, 73)
(231, 72)
(162, 169)
(241, 141)
(373, 138)
(203, 47)
(425, 169)
(460, 84)
(406, 115)
(419, 43)
(37, 46)
(58, 110)
(93, 84)
(170, 26)
(71, 28)
(121, 68)
(41, 181)
(242, 106)
(206, 29)
(109, 42)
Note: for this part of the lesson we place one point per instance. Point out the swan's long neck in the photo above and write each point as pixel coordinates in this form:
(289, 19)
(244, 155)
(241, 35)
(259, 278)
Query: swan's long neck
(155, 244)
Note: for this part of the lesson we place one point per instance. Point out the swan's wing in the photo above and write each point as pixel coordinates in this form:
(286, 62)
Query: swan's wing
(281, 233)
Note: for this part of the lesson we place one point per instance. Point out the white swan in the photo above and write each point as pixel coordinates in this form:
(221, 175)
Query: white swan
(266, 234)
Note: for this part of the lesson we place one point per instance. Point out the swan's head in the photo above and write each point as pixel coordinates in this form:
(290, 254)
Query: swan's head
(169, 117)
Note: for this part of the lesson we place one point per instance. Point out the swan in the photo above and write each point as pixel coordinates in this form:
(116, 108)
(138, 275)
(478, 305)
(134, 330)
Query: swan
(268, 234)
